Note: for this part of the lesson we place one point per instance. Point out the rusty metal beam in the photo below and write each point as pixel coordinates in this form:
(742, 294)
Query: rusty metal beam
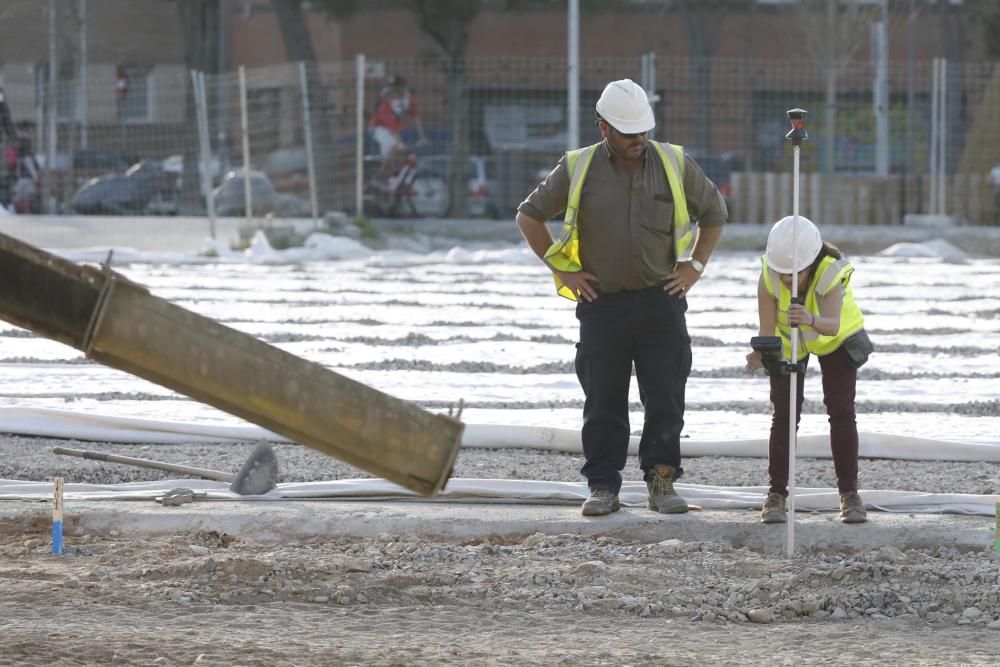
(120, 324)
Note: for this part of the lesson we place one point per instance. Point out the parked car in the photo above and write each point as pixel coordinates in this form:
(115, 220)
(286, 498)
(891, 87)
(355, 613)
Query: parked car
(175, 165)
(144, 185)
(229, 197)
(87, 160)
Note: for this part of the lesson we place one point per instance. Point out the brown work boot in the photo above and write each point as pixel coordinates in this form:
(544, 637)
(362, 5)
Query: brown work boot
(662, 497)
(852, 508)
(774, 509)
(601, 503)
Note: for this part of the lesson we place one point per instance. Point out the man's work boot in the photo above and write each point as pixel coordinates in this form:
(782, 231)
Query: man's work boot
(601, 503)
(774, 509)
(662, 497)
(852, 508)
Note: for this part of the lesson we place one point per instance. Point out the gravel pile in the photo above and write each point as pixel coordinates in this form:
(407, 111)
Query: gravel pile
(708, 582)
(702, 582)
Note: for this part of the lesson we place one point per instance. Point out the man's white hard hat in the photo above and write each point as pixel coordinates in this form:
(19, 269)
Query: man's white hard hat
(625, 107)
(780, 249)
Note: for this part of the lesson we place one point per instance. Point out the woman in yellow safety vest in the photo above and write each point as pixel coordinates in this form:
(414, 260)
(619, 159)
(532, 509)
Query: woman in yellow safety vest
(830, 326)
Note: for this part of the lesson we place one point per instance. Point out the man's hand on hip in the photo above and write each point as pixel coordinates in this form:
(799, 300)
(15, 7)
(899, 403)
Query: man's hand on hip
(580, 283)
(680, 281)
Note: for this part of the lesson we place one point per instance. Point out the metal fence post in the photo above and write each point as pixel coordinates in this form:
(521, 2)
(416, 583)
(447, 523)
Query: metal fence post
(245, 131)
(307, 129)
(204, 167)
(359, 147)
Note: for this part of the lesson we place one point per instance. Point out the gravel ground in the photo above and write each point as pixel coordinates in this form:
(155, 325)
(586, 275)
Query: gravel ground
(32, 458)
(205, 598)
(544, 599)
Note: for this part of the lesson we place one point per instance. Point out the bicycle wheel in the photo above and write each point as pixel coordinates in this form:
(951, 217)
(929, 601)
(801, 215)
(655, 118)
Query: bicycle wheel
(428, 196)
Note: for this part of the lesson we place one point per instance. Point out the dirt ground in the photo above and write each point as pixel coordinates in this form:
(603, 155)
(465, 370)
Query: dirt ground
(204, 598)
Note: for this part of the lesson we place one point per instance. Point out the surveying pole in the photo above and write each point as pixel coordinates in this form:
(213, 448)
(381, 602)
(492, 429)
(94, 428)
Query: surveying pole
(797, 135)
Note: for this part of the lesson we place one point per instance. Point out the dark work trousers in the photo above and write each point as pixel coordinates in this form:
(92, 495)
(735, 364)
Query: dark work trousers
(839, 383)
(646, 328)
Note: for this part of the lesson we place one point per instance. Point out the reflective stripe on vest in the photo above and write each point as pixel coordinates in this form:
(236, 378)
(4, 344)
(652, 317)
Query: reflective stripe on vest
(830, 274)
(564, 254)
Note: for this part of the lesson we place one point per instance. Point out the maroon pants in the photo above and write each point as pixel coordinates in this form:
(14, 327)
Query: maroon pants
(839, 381)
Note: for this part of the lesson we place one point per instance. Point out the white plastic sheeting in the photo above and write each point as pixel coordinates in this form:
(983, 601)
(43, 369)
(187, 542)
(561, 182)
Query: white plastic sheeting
(93, 427)
(51, 423)
(633, 494)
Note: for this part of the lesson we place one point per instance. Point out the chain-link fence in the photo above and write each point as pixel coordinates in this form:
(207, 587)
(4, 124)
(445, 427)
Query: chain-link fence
(489, 128)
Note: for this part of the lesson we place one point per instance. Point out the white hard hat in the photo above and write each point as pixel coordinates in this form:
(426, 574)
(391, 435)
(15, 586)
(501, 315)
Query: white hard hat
(625, 107)
(780, 249)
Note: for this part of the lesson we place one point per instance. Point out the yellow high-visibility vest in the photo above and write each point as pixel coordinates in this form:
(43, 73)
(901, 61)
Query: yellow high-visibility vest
(832, 273)
(564, 254)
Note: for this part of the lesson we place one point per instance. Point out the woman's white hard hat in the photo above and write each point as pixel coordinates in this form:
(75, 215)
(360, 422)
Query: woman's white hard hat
(781, 250)
(625, 107)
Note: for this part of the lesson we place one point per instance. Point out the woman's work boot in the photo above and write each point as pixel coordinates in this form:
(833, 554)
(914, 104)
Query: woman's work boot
(852, 508)
(774, 509)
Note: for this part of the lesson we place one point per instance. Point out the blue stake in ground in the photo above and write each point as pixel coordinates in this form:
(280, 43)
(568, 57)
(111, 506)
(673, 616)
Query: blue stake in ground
(57, 517)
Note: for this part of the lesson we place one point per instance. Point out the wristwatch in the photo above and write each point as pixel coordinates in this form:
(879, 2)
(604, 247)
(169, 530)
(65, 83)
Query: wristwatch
(697, 266)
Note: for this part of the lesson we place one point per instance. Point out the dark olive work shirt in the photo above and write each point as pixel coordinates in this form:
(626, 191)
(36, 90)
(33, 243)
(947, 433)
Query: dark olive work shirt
(626, 221)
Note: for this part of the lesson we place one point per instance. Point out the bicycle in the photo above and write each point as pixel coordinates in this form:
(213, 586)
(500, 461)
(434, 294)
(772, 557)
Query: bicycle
(412, 190)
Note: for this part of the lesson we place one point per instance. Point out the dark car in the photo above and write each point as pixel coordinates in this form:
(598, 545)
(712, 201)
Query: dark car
(124, 194)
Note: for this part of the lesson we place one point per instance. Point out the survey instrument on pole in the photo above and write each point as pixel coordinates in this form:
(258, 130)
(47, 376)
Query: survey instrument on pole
(772, 357)
(797, 135)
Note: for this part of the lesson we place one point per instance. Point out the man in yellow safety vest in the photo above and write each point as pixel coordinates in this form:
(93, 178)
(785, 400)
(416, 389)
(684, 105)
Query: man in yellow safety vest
(628, 254)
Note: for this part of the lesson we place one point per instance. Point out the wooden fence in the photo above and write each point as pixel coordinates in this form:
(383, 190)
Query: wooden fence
(765, 197)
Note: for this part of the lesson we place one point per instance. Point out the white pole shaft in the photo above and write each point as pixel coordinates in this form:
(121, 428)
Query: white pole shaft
(307, 129)
(793, 375)
(359, 148)
(245, 132)
(573, 75)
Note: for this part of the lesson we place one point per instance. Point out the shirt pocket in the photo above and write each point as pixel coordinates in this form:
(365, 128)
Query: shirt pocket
(658, 215)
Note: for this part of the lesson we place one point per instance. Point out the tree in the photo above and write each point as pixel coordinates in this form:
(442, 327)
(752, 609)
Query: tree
(447, 24)
(200, 20)
(979, 155)
(986, 14)
(299, 47)
(702, 20)
(837, 30)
